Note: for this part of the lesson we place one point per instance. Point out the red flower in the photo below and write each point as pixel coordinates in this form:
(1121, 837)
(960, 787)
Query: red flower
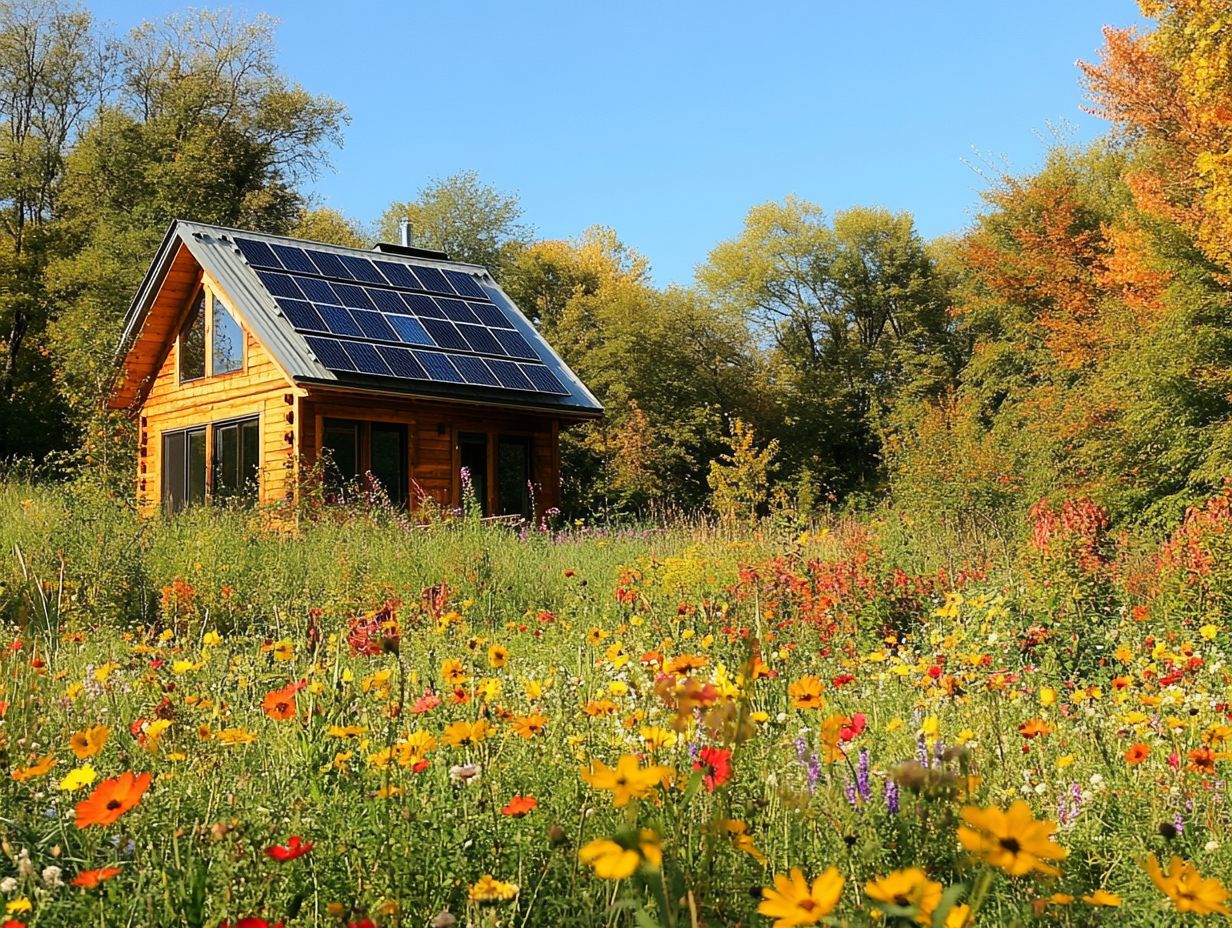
(854, 727)
(295, 847)
(843, 679)
(374, 634)
(519, 805)
(250, 922)
(13, 923)
(426, 703)
(362, 923)
(716, 762)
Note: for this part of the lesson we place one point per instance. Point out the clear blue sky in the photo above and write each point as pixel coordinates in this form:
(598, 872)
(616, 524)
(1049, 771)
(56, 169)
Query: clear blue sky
(668, 120)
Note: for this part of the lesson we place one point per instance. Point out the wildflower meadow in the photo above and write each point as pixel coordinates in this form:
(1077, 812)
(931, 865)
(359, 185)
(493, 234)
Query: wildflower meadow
(209, 720)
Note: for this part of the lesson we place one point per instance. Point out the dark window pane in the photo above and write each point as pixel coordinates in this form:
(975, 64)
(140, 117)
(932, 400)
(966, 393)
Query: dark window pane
(195, 490)
(340, 451)
(473, 454)
(228, 341)
(389, 456)
(513, 475)
(236, 460)
(173, 471)
(192, 342)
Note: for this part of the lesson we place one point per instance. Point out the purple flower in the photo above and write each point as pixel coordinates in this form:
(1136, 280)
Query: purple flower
(863, 787)
(921, 750)
(891, 796)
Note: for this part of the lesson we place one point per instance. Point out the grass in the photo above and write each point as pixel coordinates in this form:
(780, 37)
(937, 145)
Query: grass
(810, 703)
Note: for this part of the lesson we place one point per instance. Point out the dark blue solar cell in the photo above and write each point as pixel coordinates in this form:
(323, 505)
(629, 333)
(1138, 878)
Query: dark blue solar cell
(398, 274)
(402, 362)
(474, 370)
(366, 359)
(466, 284)
(280, 285)
(257, 254)
(456, 310)
(339, 320)
(409, 330)
(349, 295)
(317, 290)
(445, 335)
(294, 259)
(329, 264)
(510, 375)
(362, 269)
(301, 315)
(480, 339)
(374, 325)
(422, 305)
(438, 367)
(490, 314)
(433, 280)
(330, 353)
(515, 344)
(386, 300)
(543, 379)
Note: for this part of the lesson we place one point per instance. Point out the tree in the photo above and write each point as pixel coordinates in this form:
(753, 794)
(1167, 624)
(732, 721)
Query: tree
(740, 478)
(322, 224)
(461, 215)
(854, 315)
(52, 66)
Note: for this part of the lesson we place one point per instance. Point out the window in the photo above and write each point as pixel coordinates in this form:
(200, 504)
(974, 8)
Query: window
(237, 459)
(192, 342)
(501, 485)
(183, 468)
(513, 476)
(353, 449)
(473, 455)
(227, 354)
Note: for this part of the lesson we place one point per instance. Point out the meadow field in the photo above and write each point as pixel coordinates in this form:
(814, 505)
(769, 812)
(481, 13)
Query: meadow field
(358, 722)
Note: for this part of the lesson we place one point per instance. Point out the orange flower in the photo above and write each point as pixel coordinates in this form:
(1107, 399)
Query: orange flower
(111, 799)
(1137, 754)
(92, 878)
(1033, 728)
(805, 693)
(519, 806)
(1202, 760)
(89, 741)
(280, 705)
(39, 768)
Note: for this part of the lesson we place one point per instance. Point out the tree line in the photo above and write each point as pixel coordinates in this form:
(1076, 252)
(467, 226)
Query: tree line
(1074, 340)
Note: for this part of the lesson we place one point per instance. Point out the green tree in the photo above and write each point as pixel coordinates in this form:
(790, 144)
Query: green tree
(322, 224)
(463, 216)
(739, 479)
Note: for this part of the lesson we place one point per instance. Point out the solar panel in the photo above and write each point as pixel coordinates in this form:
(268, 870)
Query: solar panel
(330, 353)
(294, 259)
(257, 254)
(338, 320)
(383, 317)
(330, 265)
(366, 359)
(374, 325)
(423, 305)
(543, 379)
(515, 344)
(362, 269)
(481, 340)
(402, 362)
(445, 334)
(510, 375)
(433, 280)
(465, 284)
(301, 315)
(410, 330)
(280, 285)
(438, 366)
(474, 370)
(489, 314)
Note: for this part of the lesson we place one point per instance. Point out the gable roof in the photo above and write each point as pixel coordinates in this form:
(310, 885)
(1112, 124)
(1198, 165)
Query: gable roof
(401, 321)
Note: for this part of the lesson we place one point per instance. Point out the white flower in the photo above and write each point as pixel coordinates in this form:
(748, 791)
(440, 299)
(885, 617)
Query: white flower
(1210, 846)
(51, 876)
(8, 885)
(464, 773)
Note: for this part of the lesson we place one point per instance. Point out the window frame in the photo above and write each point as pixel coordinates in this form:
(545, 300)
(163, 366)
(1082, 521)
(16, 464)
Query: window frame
(244, 494)
(363, 425)
(491, 504)
(210, 295)
(167, 501)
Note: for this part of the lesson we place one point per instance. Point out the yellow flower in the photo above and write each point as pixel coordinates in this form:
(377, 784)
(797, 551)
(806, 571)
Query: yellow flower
(1011, 840)
(39, 768)
(626, 780)
(77, 779)
(1047, 696)
(211, 639)
(233, 736)
(462, 734)
(283, 651)
(453, 672)
(89, 741)
(909, 890)
(1209, 631)
(489, 891)
(656, 738)
(498, 656)
(743, 841)
(416, 747)
(619, 859)
(794, 902)
(1187, 888)
(805, 693)
(345, 731)
(1102, 897)
(154, 734)
(21, 904)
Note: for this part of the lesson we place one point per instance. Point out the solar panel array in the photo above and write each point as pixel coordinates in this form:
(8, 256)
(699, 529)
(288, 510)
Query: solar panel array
(389, 319)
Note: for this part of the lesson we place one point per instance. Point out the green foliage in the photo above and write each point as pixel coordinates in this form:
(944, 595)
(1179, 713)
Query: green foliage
(740, 479)
(461, 215)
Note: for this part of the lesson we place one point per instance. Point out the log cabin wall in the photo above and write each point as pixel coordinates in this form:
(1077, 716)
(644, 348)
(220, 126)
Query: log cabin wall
(259, 388)
(433, 447)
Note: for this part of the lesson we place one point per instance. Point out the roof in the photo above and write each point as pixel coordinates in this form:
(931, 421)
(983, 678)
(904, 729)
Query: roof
(387, 320)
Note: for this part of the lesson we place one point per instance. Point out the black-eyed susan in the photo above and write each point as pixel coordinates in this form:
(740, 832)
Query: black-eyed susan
(794, 901)
(907, 893)
(805, 693)
(89, 741)
(1012, 840)
(1187, 888)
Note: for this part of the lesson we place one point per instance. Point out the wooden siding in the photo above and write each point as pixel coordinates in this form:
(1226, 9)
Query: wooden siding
(433, 428)
(259, 388)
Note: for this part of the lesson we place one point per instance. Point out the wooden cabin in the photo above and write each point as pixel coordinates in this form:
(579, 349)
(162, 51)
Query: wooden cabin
(258, 366)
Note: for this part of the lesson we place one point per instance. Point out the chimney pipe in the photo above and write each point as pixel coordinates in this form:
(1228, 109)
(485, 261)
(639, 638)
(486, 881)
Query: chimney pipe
(404, 227)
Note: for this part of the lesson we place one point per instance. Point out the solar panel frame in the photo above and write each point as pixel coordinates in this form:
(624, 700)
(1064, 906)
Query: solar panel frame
(516, 344)
(490, 315)
(328, 264)
(480, 339)
(510, 375)
(301, 314)
(457, 310)
(543, 379)
(398, 275)
(387, 301)
(318, 291)
(433, 280)
(465, 284)
(402, 362)
(354, 297)
(280, 285)
(422, 305)
(474, 370)
(366, 359)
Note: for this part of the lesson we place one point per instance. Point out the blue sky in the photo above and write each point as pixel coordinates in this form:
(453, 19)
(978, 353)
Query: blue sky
(668, 120)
